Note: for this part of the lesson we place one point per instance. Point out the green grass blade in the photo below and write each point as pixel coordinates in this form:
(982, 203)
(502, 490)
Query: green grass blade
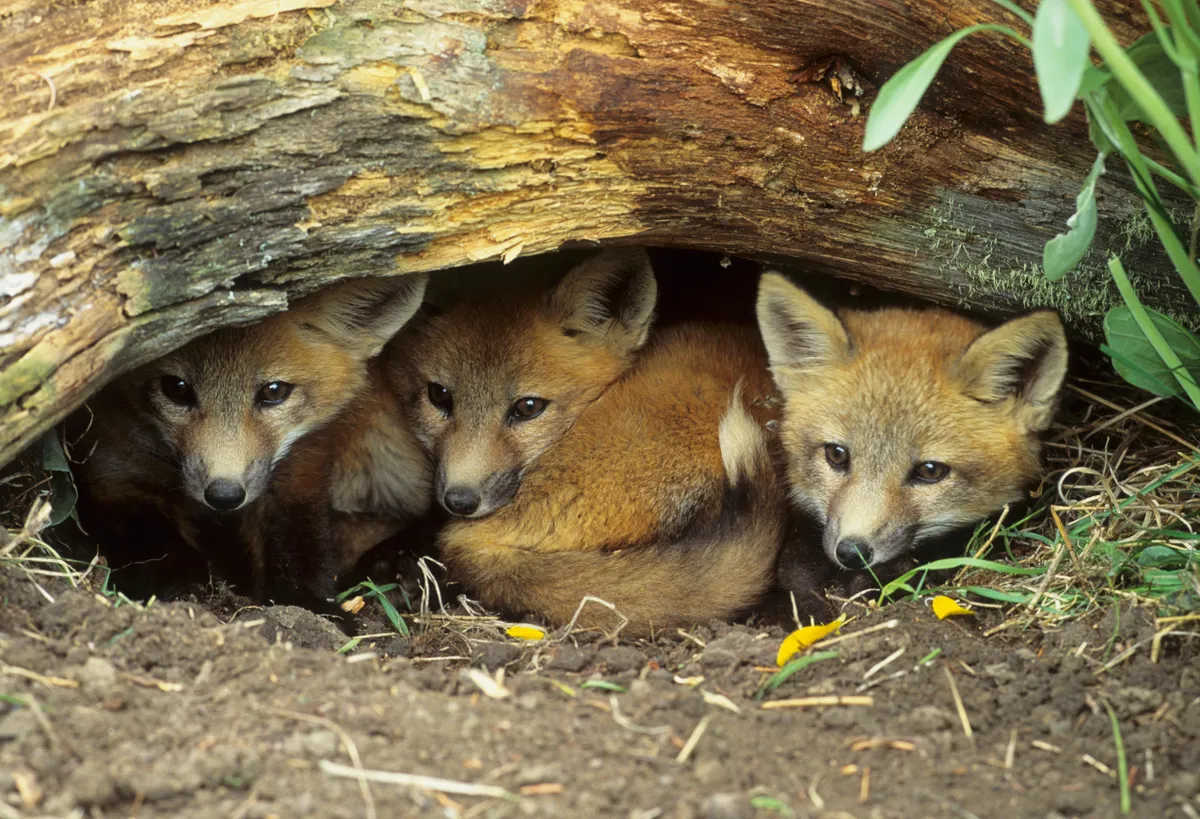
(1122, 762)
(779, 677)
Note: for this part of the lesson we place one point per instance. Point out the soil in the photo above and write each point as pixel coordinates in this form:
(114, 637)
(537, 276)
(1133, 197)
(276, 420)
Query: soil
(192, 709)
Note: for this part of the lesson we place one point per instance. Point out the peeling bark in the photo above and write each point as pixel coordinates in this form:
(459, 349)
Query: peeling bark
(168, 166)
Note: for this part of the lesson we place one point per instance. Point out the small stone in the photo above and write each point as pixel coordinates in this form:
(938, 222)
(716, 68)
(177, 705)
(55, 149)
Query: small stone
(714, 657)
(1184, 783)
(97, 676)
(495, 655)
(91, 784)
(621, 658)
(537, 774)
(929, 718)
(316, 744)
(838, 718)
(19, 723)
(726, 806)
(1001, 672)
(397, 647)
(571, 658)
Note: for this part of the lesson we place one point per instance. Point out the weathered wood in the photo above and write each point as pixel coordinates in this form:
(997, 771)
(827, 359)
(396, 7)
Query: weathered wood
(170, 166)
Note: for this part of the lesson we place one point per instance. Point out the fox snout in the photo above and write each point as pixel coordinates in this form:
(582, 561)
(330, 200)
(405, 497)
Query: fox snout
(854, 546)
(222, 487)
(478, 498)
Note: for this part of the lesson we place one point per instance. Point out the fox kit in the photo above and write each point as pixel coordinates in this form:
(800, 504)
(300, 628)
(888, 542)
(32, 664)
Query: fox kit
(581, 461)
(265, 442)
(903, 425)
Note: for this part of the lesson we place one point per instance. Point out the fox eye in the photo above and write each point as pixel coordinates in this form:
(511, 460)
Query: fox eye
(177, 390)
(930, 472)
(440, 397)
(528, 408)
(838, 457)
(273, 393)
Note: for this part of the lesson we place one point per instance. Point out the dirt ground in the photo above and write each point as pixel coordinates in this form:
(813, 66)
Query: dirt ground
(188, 709)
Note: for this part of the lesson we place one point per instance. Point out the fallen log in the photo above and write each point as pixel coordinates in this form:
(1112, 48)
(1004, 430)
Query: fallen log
(173, 166)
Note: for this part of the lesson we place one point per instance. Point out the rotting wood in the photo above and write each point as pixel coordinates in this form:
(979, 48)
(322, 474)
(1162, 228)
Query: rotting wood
(171, 166)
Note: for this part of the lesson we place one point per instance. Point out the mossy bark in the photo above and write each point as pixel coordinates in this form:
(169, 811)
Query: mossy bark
(171, 166)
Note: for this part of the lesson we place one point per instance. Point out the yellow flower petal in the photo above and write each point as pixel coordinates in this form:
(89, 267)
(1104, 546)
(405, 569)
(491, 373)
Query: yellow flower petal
(526, 632)
(944, 607)
(802, 638)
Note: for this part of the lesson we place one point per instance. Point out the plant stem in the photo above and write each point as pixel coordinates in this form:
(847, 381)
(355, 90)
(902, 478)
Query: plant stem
(1185, 265)
(1150, 330)
(1016, 10)
(1172, 177)
(1138, 87)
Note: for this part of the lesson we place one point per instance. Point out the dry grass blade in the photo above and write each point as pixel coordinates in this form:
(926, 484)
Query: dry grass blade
(429, 783)
(357, 772)
(958, 703)
(821, 701)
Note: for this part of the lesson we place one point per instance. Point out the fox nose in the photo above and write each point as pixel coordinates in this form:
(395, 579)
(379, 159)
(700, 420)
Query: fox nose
(853, 554)
(224, 494)
(461, 500)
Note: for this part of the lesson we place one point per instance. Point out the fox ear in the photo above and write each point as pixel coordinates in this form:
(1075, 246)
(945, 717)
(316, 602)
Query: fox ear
(610, 297)
(799, 333)
(363, 314)
(1025, 357)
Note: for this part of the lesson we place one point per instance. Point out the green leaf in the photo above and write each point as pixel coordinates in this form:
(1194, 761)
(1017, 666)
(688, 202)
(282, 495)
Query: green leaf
(1064, 251)
(1162, 557)
(1136, 360)
(779, 677)
(604, 685)
(899, 96)
(63, 493)
(1152, 60)
(1060, 56)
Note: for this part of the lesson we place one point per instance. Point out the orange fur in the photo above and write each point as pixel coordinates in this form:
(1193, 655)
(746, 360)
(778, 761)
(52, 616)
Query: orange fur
(621, 488)
(897, 389)
(295, 462)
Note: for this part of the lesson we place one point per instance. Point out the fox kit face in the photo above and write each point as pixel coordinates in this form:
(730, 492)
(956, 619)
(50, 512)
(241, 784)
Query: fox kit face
(488, 387)
(229, 406)
(901, 425)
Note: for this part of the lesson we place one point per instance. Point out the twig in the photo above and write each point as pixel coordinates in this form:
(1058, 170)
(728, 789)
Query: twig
(816, 702)
(590, 599)
(694, 739)
(882, 664)
(59, 682)
(1062, 531)
(855, 635)
(357, 771)
(958, 704)
(429, 783)
(623, 721)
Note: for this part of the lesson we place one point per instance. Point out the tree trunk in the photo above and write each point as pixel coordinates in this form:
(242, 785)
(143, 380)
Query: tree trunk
(171, 166)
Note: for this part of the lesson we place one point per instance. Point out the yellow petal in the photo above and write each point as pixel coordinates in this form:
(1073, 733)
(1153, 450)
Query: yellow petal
(802, 638)
(944, 607)
(526, 632)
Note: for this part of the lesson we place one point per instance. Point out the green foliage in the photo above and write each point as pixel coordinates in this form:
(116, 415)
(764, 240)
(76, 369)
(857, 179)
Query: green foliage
(899, 96)
(1066, 250)
(63, 493)
(1060, 56)
(370, 591)
(804, 661)
(1138, 363)
(1155, 81)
